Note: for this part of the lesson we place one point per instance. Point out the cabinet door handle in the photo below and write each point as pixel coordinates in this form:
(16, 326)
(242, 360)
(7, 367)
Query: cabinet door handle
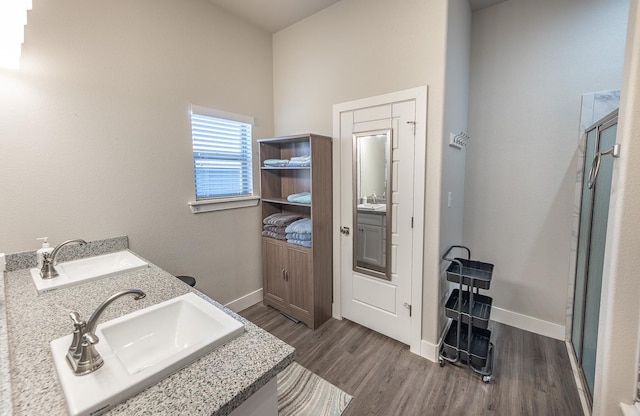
(284, 274)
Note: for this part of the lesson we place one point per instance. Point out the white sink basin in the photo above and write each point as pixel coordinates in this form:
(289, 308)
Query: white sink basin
(142, 348)
(372, 207)
(84, 270)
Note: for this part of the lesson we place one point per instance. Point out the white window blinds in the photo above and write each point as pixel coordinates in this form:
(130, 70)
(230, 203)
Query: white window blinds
(221, 155)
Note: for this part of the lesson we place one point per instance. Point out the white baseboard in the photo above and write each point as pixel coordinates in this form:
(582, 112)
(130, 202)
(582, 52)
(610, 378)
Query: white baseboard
(537, 326)
(548, 329)
(245, 301)
(429, 351)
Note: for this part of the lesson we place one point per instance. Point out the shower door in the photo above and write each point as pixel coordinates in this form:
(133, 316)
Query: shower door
(594, 211)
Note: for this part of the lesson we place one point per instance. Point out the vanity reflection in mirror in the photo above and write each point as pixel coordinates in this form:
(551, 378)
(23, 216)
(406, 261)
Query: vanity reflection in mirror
(372, 204)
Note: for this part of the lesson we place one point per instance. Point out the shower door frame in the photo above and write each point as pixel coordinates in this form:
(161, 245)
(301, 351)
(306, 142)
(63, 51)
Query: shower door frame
(607, 121)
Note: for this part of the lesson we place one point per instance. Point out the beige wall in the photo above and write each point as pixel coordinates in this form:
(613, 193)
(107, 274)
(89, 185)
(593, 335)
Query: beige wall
(456, 106)
(351, 50)
(362, 48)
(530, 63)
(95, 132)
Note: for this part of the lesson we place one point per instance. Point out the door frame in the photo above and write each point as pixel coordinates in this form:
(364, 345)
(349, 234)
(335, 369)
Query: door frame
(419, 94)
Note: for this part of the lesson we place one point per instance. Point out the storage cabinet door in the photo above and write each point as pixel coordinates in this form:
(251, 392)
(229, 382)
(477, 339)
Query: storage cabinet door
(300, 283)
(372, 244)
(273, 271)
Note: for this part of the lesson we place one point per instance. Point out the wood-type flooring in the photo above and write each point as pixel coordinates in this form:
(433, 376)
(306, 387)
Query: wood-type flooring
(532, 374)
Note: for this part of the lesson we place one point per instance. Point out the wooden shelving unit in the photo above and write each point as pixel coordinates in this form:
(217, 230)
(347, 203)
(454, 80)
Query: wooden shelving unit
(299, 280)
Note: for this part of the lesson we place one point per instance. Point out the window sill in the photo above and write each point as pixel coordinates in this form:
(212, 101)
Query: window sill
(208, 205)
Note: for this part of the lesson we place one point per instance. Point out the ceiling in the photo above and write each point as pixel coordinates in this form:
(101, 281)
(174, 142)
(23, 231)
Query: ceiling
(275, 15)
(483, 4)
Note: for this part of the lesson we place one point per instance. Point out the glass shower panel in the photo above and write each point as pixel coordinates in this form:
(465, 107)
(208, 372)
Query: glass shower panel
(583, 245)
(600, 214)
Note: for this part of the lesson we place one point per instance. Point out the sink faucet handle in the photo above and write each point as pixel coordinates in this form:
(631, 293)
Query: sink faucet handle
(90, 360)
(78, 332)
(75, 317)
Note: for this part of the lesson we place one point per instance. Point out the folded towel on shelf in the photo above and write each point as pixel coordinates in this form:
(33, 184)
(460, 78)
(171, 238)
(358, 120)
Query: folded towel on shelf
(302, 243)
(301, 198)
(300, 226)
(271, 234)
(299, 236)
(300, 161)
(280, 219)
(275, 229)
(276, 162)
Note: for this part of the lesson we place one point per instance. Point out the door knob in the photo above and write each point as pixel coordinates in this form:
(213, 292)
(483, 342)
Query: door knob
(344, 230)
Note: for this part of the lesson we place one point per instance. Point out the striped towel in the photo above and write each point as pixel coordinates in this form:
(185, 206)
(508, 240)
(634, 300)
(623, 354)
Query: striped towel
(271, 234)
(281, 220)
(302, 243)
(299, 236)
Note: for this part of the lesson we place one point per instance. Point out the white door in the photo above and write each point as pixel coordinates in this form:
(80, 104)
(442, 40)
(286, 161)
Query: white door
(379, 304)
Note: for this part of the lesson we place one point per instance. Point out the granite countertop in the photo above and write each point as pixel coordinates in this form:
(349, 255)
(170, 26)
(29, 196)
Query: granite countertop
(215, 384)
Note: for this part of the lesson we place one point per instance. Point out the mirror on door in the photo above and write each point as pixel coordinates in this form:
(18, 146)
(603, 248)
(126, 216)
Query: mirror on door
(372, 204)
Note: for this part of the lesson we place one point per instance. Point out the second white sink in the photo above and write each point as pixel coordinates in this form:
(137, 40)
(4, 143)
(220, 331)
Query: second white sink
(372, 207)
(80, 271)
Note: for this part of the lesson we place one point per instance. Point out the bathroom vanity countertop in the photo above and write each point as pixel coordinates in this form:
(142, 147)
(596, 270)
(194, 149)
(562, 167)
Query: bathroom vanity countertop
(5, 381)
(215, 384)
(371, 211)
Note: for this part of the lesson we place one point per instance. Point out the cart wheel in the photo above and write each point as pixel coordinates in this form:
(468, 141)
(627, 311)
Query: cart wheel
(486, 379)
(441, 361)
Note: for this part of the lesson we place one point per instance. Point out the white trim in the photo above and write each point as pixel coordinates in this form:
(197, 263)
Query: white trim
(579, 384)
(245, 301)
(528, 323)
(419, 94)
(212, 112)
(419, 206)
(429, 351)
(219, 204)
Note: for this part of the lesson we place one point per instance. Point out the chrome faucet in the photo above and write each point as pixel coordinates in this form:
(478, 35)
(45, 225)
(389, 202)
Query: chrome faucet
(82, 356)
(49, 261)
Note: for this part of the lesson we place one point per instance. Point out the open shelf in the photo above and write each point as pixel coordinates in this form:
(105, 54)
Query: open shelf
(479, 345)
(474, 270)
(481, 308)
(298, 280)
(285, 167)
(283, 201)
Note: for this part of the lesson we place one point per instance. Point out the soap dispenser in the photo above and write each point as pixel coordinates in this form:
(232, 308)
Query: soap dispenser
(46, 248)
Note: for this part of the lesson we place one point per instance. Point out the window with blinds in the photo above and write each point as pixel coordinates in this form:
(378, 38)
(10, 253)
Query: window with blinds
(221, 154)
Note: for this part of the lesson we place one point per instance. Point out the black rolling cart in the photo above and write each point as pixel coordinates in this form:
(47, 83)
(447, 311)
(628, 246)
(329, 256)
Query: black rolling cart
(467, 337)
